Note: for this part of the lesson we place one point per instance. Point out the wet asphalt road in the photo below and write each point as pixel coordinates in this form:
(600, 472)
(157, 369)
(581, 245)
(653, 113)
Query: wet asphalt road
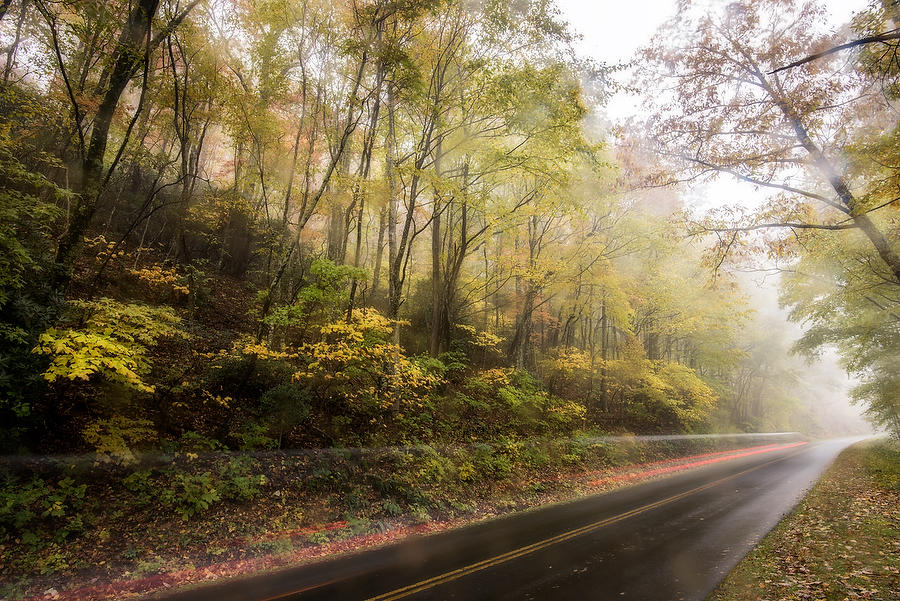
(667, 539)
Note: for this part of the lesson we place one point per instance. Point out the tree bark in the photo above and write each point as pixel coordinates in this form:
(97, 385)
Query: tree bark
(379, 250)
(14, 47)
(393, 209)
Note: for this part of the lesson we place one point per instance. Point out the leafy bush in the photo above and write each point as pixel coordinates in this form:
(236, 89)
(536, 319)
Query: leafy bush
(568, 373)
(391, 508)
(255, 436)
(141, 484)
(425, 466)
(37, 511)
(322, 300)
(510, 402)
(490, 463)
(190, 494)
(237, 482)
(284, 407)
(107, 339)
(113, 439)
(195, 442)
(355, 365)
(27, 214)
(662, 396)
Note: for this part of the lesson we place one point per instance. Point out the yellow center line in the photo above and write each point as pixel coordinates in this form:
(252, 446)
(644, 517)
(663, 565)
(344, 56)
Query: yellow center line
(528, 549)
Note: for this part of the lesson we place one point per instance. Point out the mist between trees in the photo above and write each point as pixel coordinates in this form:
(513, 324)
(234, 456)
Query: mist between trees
(304, 224)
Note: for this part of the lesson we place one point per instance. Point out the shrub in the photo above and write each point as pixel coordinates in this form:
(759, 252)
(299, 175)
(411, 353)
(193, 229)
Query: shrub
(284, 407)
(662, 396)
(36, 511)
(238, 483)
(490, 463)
(255, 436)
(568, 372)
(107, 339)
(191, 494)
(113, 439)
(320, 301)
(195, 442)
(355, 365)
(391, 508)
(140, 483)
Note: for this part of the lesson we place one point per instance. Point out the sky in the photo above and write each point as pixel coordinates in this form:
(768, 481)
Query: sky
(611, 31)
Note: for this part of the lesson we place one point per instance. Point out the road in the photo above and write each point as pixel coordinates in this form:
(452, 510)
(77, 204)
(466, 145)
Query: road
(670, 538)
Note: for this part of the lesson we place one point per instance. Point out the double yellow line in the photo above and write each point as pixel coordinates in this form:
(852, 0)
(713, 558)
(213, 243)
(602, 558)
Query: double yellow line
(522, 551)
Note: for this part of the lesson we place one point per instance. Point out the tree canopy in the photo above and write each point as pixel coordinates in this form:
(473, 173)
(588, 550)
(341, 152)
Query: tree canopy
(300, 223)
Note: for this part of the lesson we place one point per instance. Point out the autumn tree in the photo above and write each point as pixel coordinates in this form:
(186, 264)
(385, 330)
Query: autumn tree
(132, 47)
(731, 114)
(808, 133)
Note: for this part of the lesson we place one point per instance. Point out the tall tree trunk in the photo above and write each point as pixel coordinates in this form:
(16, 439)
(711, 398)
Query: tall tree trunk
(379, 249)
(604, 346)
(393, 209)
(310, 202)
(518, 348)
(453, 269)
(359, 199)
(128, 52)
(437, 304)
(337, 233)
(14, 47)
(652, 345)
(879, 241)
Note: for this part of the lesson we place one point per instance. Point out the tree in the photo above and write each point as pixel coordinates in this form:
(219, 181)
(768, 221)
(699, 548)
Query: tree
(811, 133)
(132, 50)
(732, 115)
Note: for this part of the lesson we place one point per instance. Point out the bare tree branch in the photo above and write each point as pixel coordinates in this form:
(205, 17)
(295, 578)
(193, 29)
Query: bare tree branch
(791, 225)
(51, 19)
(872, 39)
(759, 182)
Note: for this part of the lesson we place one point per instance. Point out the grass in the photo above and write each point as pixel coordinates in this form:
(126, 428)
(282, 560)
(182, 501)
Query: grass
(842, 541)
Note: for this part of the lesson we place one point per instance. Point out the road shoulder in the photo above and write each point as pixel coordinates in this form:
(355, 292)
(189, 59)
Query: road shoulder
(841, 542)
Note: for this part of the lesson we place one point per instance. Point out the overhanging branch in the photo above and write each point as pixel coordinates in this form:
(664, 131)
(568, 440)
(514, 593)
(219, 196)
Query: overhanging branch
(786, 224)
(872, 39)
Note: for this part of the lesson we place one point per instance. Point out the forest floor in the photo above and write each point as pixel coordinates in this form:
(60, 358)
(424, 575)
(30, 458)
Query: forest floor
(128, 550)
(842, 542)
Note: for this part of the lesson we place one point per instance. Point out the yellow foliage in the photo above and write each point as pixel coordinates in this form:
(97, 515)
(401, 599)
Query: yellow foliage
(498, 376)
(484, 339)
(355, 362)
(568, 411)
(568, 361)
(111, 340)
(259, 349)
(114, 438)
(157, 277)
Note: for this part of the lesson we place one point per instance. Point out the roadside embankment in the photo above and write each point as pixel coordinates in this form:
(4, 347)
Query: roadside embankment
(77, 530)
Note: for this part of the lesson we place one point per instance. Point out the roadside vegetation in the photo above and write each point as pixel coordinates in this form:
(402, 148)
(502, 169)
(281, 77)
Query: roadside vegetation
(841, 542)
(193, 515)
